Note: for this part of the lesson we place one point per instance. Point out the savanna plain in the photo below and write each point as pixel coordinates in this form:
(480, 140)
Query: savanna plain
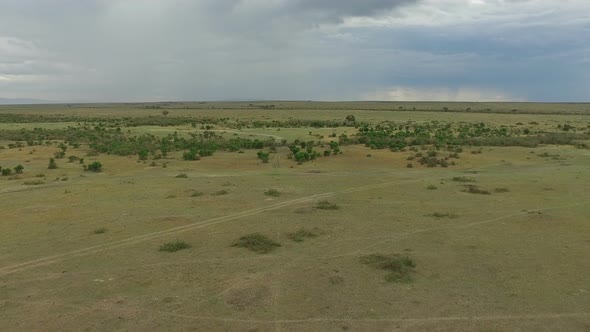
(285, 216)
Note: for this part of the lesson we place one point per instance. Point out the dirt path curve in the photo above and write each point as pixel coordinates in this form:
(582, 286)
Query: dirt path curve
(48, 260)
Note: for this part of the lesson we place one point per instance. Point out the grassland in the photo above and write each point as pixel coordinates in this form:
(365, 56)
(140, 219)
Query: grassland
(349, 241)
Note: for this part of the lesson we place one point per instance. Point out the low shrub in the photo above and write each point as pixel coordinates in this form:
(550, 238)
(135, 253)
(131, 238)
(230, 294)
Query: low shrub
(256, 242)
(475, 190)
(443, 215)
(174, 246)
(326, 205)
(94, 167)
(100, 230)
(399, 268)
(301, 235)
(272, 193)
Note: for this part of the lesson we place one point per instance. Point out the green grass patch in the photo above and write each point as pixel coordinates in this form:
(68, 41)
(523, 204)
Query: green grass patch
(256, 242)
(501, 190)
(196, 194)
(174, 246)
(432, 187)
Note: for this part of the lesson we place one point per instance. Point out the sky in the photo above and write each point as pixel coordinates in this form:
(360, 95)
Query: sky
(193, 50)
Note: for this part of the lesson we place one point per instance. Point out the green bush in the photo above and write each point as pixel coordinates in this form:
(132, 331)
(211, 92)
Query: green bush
(94, 167)
(19, 169)
(256, 242)
(191, 155)
(264, 156)
(52, 164)
(181, 176)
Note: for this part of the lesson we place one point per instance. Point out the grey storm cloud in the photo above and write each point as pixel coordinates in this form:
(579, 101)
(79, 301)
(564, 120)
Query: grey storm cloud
(129, 50)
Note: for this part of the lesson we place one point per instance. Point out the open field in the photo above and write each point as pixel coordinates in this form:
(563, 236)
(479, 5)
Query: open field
(495, 238)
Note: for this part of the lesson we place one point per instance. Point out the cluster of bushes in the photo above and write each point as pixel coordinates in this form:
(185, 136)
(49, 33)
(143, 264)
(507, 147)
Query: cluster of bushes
(304, 151)
(4, 171)
(398, 136)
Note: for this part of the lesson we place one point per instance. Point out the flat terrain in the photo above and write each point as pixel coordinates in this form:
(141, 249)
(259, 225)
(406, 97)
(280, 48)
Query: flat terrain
(80, 250)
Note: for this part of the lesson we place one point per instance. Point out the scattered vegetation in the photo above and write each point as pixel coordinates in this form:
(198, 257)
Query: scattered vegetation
(181, 176)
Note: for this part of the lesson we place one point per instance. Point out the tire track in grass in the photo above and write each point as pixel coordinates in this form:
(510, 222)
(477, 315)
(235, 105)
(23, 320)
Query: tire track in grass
(48, 260)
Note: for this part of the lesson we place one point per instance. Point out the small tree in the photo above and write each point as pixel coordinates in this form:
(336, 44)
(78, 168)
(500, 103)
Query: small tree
(350, 118)
(19, 169)
(165, 112)
(6, 171)
(94, 167)
(52, 164)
